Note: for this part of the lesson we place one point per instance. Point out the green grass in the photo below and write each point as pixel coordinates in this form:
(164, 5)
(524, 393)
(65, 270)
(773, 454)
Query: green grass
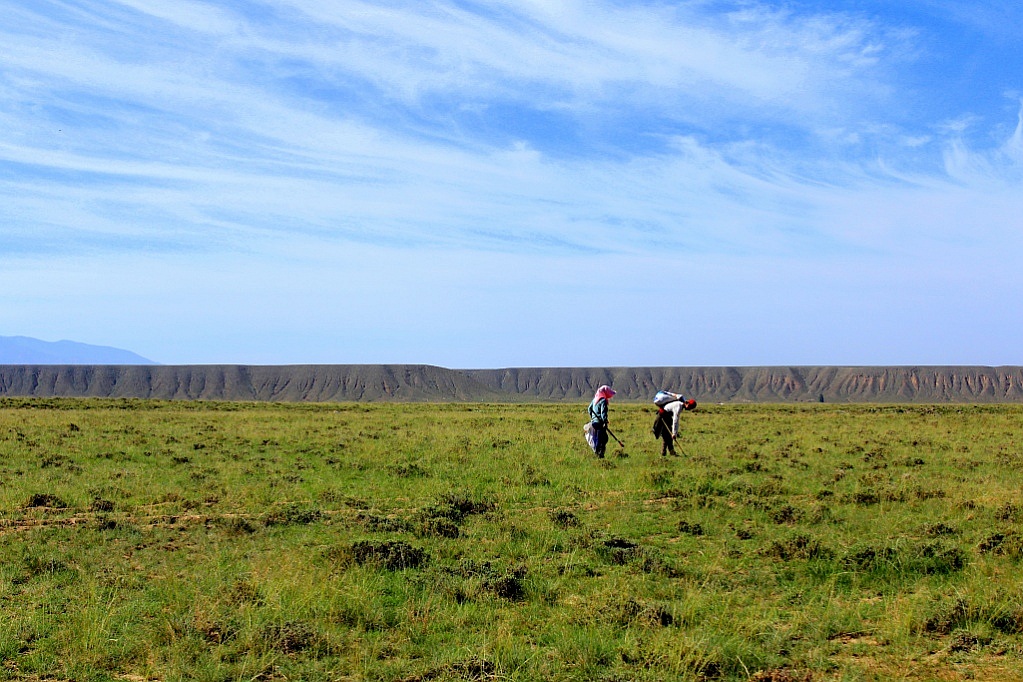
(222, 541)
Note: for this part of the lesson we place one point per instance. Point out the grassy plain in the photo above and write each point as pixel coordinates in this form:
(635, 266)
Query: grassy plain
(224, 541)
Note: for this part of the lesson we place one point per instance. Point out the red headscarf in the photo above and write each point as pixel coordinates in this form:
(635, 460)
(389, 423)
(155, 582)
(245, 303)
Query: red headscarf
(605, 392)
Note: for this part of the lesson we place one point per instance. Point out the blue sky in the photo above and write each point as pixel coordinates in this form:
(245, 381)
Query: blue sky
(515, 183)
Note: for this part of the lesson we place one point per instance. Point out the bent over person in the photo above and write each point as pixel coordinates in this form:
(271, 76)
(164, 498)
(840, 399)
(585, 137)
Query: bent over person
(669, 407)
(598, 418)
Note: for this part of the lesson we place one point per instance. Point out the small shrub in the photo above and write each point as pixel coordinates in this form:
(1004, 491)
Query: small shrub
(786, 515)
(662, 478)
(292, 514)
(1007, 512)
(464, 505)
(45, 500)
(99, 505)
(1003, 544)
(687, 528)
(939, 529)
(237, 525)
(382, 524)
(626, 612)
(53, 461)
(865, 497)
(1008, 622)
(534, 478)
(40, 565)
(509, 587)
(949, 617)
(927, 558)
(869, 558)
(471, 579)
(962, 642)
(391, 555)
(456, 507)
(911, 462)
(651, 562)
(991, 542)
(245, 592)
(618, 551)
(288, 638)
(209, 631)
(798, 547)
(470, 568)
(960, 615)
(408, 470)
(437, 527)
(564, 518)
(937, 558)
(470, 670)
(105, 523)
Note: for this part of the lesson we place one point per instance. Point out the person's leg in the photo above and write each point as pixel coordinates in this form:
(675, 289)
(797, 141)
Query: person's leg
(601, 441)
(666, 435)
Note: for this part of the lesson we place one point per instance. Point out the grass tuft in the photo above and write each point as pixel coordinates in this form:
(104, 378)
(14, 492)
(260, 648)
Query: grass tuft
(392, 555)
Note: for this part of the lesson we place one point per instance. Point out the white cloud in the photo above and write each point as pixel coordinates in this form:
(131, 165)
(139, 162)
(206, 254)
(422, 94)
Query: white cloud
(1014, 146)
(1000, 167)
(201, 17)
(592, 53)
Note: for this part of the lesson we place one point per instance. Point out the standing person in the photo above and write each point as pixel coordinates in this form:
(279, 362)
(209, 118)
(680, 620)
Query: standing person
(669, 407)
(598, 417)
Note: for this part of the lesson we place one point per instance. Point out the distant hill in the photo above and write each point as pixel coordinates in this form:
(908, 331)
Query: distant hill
(427, 383)
(290, 383)
(23, 350)
(767, 384)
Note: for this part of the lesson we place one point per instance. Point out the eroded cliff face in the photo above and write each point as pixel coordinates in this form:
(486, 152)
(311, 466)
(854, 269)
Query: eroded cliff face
(288, 383)
(336, 383)
(769, 384)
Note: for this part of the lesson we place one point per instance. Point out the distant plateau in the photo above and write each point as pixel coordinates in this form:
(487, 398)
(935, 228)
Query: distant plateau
(428, 383)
